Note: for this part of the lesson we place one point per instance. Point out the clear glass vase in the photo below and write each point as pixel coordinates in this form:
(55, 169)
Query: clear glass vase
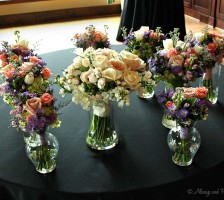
(101, 134)
(210, 80)
(42, 151)
(184, 142)
(145, 92)
(167, 121)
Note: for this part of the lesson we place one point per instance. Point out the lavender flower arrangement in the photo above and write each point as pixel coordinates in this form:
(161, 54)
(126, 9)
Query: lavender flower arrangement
(185, 104)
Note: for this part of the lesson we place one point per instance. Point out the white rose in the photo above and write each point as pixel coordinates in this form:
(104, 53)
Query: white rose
(85, 62)
(23, 43)
(101, 83)
(73, 81)
(168, 44)
(27, 66)
(98, 72)
(199, 37)
(29, 78)
(198, 49)
(100, 61)
(139, 35)
(85, 75)
(144, 28)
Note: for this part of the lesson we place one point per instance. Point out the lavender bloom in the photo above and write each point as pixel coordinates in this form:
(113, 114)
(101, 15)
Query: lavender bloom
(176, 70)
(188, 75)
(200, 103)
(183, 113)
(171, 111)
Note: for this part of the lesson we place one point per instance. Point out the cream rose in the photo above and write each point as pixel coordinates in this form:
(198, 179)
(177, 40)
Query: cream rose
(23, 43)
(85, 75)
(168, 44)
(132, 79)
(198, 49)
(111, 74)
(29, 78)
(100, 61)
(85, 62)
(132, 61)
(77, 62)
(101, 83)
(27, 66)
(32, 105)
(199, 37)
(144, 28)
(139, 35)
(176, 60)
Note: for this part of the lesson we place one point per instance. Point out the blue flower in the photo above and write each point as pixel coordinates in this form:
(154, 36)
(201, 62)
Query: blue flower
(183, 113)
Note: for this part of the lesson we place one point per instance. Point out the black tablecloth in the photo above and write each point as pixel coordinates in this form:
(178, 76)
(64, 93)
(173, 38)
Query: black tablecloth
(167, 14)
(139, 167)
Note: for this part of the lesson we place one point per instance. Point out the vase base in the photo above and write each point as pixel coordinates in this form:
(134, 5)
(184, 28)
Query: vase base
(145, 95)
(99, 144)
(47, 170)
(181, 163)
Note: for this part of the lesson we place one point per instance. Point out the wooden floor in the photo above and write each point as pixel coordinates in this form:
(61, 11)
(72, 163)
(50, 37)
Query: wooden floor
(57, 36)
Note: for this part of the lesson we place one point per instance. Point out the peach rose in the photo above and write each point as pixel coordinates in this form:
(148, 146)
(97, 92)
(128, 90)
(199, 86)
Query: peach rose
(117, 64)
(34, 59)
(3, 59)
(132, 79)
(176, 60)
(189, 92)
(46, 73)
(32, 105)
(97, 36)
(169, 104)
(171, 52)
(201, 92)
(8, 71)
(46, 99)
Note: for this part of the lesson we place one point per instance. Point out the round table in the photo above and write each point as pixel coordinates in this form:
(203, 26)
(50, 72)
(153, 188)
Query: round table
(139, 167)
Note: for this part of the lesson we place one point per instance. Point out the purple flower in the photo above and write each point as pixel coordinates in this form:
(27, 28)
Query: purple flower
(176, 70)
(200, 103)
(171, 111)
(183, 113)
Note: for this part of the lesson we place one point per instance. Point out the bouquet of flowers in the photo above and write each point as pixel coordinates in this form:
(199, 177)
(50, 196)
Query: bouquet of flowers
(27, 89)
(143, 42)
(92, 38)
(186, 106)
(210, 49)
(97, 77)
(177, 64)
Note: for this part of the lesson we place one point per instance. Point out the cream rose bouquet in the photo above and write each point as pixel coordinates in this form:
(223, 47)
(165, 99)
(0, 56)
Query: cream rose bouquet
(102, 75)
(96, 78)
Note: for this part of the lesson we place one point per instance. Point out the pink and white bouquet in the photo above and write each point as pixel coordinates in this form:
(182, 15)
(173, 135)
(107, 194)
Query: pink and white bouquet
(102, 75)
(92, 38)
(26, 87)
(177, 64)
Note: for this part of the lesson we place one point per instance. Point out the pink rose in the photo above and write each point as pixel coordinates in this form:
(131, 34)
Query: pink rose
(32, 105)
(46, 99)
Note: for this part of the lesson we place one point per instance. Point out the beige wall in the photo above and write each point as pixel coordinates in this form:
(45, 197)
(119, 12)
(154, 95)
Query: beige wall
(49, 5)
